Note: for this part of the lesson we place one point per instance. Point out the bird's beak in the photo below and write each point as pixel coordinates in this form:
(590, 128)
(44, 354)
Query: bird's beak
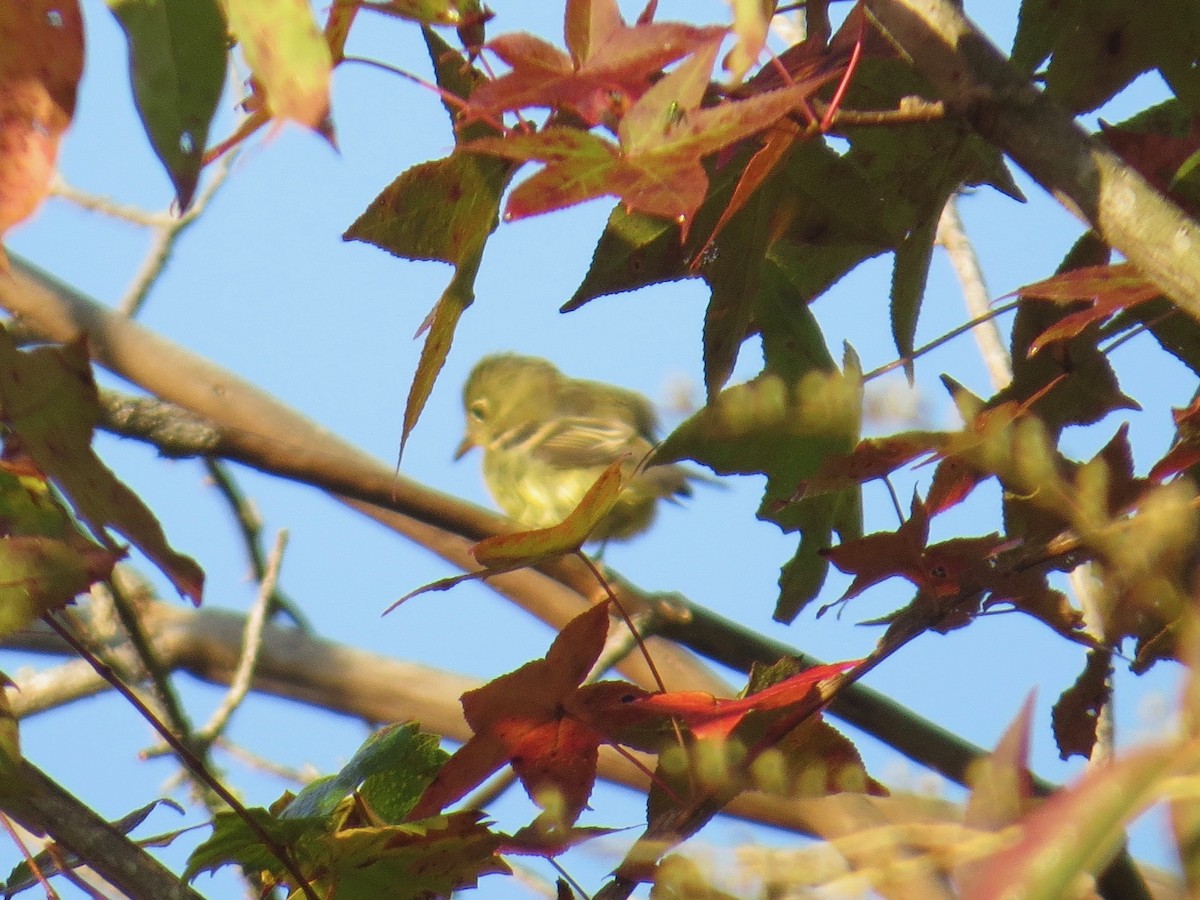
(464, 447)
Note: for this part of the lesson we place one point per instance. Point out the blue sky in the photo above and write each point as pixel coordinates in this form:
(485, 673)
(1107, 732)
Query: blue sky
(264, 285)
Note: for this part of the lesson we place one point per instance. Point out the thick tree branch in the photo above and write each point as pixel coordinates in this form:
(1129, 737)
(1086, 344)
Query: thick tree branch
(40, 805)
(977, 82)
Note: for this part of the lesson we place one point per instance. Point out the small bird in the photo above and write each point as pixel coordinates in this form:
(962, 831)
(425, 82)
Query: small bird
(546, 438)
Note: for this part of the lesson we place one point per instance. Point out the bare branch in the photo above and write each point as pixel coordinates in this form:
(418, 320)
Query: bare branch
(251, 645)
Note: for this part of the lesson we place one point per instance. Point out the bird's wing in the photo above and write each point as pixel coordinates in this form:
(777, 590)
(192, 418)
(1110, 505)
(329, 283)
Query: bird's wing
(581, 441)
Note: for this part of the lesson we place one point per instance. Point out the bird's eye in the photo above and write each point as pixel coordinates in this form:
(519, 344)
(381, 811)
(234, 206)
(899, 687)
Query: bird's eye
(478, 410)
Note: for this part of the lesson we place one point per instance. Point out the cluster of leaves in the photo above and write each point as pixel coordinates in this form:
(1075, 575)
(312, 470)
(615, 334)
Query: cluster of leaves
(58, 501)
(379, 820)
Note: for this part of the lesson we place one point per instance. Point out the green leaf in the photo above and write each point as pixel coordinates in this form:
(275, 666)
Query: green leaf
(816, 518)
(233, 842)
(735, 276)
(1040, 24)
(441, 210)
(909, 275)
(10, 736)
(1097, 47)
(634, 250)
(784, 428)
(433, 858)
(48, 397)
(177, 59)
(390, 770)
(770, 427)
(457, 78)
(792, 341)
(38, 574)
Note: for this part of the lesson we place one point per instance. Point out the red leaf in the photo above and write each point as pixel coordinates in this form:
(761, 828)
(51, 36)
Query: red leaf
(1156, 156)
(707, 716)
(530, 719)
(657, 167)
(872, 458)
(1110, 289)
(610, 66)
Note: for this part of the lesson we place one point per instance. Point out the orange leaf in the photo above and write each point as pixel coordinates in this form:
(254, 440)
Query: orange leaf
(40, 68)
(526, 548)
(531, 718)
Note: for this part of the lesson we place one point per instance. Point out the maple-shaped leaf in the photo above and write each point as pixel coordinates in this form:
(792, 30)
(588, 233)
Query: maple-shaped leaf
(386, 774)
(434, 858)
(656, 168)
(784, 424)
(1097, 48)
(534, 719)
(430, 858)
(941, 570)
(610, 66)
(442, 210)
(40, 69)
(1109, 289)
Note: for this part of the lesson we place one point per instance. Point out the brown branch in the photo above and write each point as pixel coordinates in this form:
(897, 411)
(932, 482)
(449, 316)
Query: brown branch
(977, 82)
(42, 806)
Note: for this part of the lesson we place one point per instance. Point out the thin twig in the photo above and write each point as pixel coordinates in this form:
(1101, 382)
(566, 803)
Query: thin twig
(626, 616)
(963, 258)
(166, 234)
(30, 859)
(943, 339)
(155, 672)
(252, 642)
(300, 776)
(250, 525)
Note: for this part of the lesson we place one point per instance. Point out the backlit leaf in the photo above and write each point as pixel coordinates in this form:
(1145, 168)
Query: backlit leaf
(177, 62)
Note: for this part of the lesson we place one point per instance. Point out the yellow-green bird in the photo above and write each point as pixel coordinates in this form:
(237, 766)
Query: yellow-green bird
(546, 438)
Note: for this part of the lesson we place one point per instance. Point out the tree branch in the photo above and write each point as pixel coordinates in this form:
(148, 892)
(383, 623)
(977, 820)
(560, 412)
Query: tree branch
(977, 82)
